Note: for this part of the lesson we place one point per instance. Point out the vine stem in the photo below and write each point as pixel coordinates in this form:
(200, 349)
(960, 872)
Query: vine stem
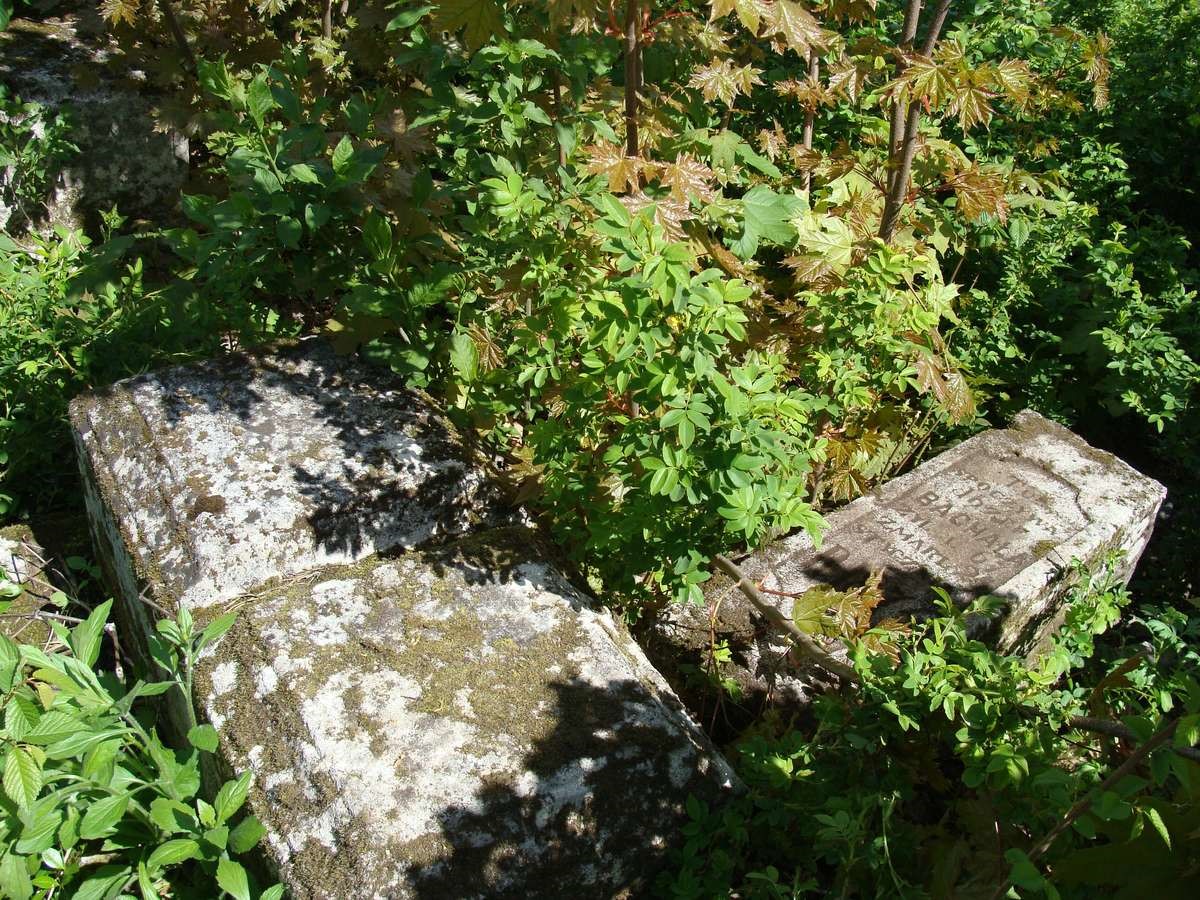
(633, 51)
(1135, 759)
(783, 623)
(168, 13)
(898, 186)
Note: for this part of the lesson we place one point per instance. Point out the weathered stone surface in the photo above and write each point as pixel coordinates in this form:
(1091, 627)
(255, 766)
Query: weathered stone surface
(457, 722)
(205, 481)
(23, 562)
(1003, 513)
(126, 157)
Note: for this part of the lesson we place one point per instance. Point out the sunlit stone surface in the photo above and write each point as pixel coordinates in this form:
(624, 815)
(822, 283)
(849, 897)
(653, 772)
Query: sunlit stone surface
(451, 721)
(1004, 513)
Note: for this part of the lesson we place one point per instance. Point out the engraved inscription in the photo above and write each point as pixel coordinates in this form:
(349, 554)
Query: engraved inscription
(970, 528)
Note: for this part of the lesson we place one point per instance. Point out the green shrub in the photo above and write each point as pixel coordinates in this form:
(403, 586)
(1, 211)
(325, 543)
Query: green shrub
(33, 147)
(94, 804)
(942, 772)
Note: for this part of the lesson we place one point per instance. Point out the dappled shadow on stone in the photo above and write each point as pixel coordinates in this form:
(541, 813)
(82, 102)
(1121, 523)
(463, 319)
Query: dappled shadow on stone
(327, 457)
(593, 814)
(127, 158)
(908, 590)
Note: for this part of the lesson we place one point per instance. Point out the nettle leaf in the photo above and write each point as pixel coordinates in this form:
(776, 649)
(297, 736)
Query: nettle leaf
(724, 81)
(172, 852)
(259, 99)
(766, 216)
(22, 776)
(102, 815)
(750, 12)
(204, 737)
(479, 20)
(232, 878)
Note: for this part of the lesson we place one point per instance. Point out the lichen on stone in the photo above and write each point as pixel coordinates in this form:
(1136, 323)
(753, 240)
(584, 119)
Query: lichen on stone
(457, 720)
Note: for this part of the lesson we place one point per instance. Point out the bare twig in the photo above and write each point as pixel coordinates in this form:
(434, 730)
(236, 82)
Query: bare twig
(1135, 759)
(168, 13)
(782, 623)
(1122, 731)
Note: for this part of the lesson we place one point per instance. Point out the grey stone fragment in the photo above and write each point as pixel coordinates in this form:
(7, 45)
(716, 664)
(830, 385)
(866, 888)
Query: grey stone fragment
(23, 562)
(456, 722)
(203, 482)
(127, 157)
(1003, 513)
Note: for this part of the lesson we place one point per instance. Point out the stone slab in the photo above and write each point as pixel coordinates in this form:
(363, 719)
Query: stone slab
(457, 722)
(1003, 513)
(206, 481)
(25, 563)
(128, 156)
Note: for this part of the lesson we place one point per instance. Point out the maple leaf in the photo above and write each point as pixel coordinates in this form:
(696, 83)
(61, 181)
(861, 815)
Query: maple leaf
(810, 93)
(814, 271)
(805, 159)
(795, 26)
(750, 12)
(827, 237)
(969, 101)
(479, 20)
(623, 172)
(688, 177)
(980, 193)
(581, 15)
(947, 385)
(848, 77)
(772, 142)
(850, 10)
(1095, 58)
(119, 10)
(922, 80)
(668, 213)
(1011, 77)
(724, 81)
(409, 143)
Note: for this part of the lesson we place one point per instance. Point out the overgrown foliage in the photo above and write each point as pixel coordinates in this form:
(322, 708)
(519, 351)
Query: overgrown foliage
(946, 772)
(693, 273)
(94, 804)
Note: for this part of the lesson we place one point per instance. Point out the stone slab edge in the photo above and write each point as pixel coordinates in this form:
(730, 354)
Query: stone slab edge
(1023, 631)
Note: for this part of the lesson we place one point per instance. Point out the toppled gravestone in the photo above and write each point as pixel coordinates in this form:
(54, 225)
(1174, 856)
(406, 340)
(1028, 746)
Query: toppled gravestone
(126, 157)
(24, 564)
(203, 482)
(454, 723)
(1004, 513)
(455, 720)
